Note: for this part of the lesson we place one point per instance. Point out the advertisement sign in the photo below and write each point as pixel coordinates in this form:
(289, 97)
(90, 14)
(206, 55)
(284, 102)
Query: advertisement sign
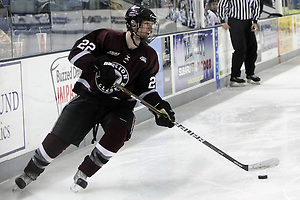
(193, 58)
(269, 40)
(166, 62)
(164, 78)
(225, 51)
(12, 132)
(31, 23)
(64, 75)
(296, 31)
(157, 46)
(258, 36)
(104, 18)
(285, 34)
(217, 58)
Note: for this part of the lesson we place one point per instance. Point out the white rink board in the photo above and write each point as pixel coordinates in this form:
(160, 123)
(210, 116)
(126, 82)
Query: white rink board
(40, 105)
(12, 131)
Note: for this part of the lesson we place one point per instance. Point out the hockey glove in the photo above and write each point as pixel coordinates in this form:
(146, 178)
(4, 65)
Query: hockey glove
(105, 73)
(169, 115)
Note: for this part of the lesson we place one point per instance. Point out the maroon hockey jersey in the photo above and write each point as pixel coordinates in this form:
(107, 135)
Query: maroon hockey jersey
(136, 69)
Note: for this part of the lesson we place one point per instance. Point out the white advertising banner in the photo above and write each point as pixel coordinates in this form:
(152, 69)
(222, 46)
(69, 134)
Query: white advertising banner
(269, 40)
(225, 52)
(64, 75)
(296, 26)
(12, 133)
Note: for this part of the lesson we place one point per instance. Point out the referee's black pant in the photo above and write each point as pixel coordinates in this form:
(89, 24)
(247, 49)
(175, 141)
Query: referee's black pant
(245, 46)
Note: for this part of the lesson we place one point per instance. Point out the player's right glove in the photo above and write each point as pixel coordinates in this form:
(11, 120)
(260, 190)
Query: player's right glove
(169, 117)
(105, 72)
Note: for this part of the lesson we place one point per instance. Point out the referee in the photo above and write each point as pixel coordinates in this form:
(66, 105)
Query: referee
(240, 17)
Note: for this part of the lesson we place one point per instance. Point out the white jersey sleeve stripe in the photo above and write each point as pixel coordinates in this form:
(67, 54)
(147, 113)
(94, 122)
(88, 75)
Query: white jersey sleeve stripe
(85, 83)
(81, 54)
(146, 93)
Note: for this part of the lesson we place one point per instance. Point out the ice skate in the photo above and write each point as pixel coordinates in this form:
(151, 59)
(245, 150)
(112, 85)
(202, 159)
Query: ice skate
(22, 181)
(237, 82)
(79, 181)
(253, 79)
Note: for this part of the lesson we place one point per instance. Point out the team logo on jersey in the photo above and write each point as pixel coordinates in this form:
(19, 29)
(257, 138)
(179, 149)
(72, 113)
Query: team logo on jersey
(113, 53)
(123, 78)
(143, 59)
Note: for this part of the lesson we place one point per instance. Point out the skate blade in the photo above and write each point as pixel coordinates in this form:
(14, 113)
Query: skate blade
(253, 82)
(16, 188)
(75, 188)
(235, 84)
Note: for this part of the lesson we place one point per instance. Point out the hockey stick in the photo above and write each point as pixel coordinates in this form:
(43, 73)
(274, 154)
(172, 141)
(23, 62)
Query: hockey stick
(257, 166)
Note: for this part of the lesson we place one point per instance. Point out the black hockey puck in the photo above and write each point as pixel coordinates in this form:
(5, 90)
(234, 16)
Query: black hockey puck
(262, 176)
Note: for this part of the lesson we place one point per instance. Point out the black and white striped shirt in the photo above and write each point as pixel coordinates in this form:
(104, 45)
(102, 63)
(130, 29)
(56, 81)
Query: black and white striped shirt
(239, 9)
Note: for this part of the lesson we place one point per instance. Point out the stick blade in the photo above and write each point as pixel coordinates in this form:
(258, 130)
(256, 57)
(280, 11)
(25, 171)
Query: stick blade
(273, 162)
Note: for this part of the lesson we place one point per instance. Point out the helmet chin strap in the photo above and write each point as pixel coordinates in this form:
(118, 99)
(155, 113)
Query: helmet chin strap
(132, 34)
(142, 40)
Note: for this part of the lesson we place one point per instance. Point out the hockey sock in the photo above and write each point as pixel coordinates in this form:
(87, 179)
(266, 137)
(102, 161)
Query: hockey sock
(95, 161)
(110, 143)
(51, 147)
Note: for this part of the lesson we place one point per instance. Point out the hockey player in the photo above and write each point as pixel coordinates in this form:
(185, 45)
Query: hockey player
(105, 56)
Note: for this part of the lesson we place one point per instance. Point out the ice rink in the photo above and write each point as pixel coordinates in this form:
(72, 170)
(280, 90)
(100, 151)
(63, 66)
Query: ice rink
(251, 124)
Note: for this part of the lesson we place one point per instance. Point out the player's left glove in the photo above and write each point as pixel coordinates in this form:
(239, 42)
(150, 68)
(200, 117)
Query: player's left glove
(169, 115)
(105, 73)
